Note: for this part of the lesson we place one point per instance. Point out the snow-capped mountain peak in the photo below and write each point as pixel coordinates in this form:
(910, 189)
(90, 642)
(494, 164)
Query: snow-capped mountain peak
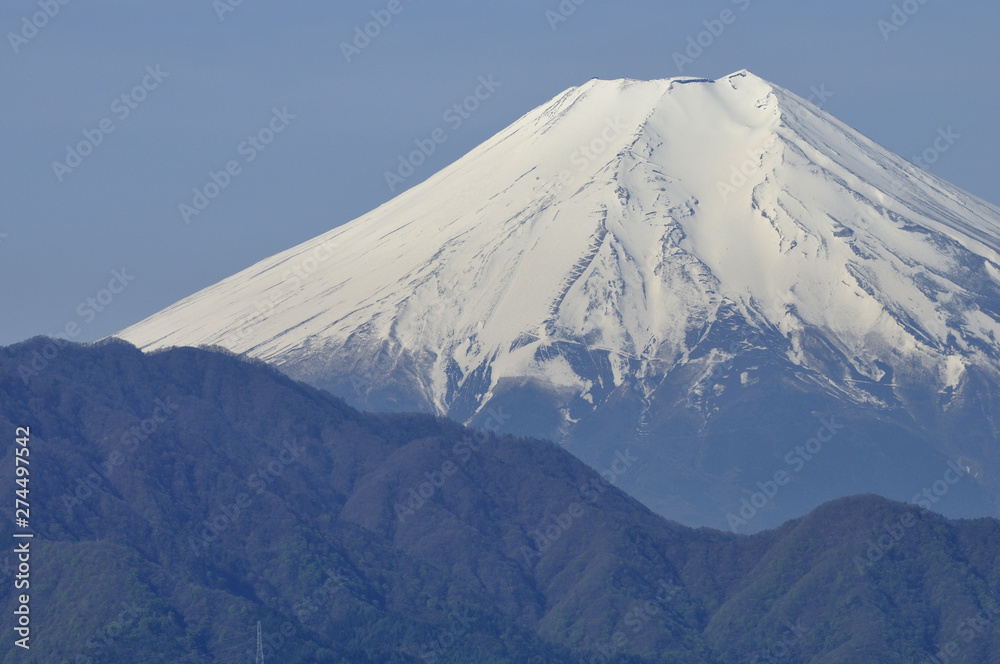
(624, 215)
(623, 236)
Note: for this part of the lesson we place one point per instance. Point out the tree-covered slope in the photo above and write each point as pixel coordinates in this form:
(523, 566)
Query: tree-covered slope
(181, 496)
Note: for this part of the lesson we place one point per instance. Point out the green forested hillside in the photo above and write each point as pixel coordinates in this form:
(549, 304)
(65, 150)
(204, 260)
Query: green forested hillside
(178, 498)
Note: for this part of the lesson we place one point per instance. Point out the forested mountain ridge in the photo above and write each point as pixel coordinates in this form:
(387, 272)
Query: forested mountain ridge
(178, 497)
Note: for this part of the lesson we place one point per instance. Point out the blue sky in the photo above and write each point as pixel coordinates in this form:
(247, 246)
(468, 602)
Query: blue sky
(181, 87)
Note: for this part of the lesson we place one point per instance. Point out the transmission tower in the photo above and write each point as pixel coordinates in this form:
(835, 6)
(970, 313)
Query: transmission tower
(260, 646)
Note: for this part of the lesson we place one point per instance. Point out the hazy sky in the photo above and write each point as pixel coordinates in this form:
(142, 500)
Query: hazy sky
(163, 94)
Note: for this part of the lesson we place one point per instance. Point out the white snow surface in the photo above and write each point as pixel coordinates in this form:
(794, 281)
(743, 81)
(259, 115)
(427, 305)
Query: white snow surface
(622, 215)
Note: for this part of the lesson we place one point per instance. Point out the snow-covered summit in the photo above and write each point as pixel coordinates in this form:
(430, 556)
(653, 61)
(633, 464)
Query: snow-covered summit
(626, 217)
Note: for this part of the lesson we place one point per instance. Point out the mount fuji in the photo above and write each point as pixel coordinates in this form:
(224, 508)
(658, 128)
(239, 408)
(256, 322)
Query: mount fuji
(732, 304)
